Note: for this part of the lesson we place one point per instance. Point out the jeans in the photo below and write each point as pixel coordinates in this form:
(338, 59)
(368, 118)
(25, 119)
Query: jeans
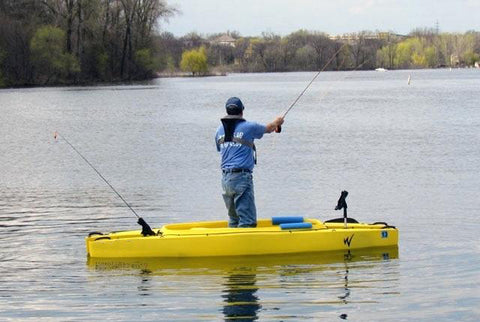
(239, 199)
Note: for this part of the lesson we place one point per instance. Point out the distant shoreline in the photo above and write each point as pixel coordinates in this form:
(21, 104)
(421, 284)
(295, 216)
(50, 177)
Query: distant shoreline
(179, 74)
(187, 74)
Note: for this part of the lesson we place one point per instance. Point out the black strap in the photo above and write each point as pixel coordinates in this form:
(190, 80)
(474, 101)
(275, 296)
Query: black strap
(229, 124)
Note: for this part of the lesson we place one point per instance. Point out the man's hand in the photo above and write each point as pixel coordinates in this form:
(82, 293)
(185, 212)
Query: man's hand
(275, 125)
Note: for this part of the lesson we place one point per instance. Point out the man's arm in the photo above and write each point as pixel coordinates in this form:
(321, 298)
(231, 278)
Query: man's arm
(270, 127)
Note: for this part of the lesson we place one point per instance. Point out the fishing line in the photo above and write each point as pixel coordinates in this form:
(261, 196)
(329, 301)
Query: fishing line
(146, 230)
(341, 79)
(313, 79)
(278, 130)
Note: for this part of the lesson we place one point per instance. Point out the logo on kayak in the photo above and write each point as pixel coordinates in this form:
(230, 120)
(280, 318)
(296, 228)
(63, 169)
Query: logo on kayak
(384, 234)
(348, 240)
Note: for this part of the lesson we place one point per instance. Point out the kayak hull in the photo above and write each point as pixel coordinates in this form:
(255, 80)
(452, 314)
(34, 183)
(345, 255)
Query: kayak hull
(213, 239)
(256, 264)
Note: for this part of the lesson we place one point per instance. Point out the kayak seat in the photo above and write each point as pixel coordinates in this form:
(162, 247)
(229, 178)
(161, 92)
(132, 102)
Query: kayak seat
(337, 220)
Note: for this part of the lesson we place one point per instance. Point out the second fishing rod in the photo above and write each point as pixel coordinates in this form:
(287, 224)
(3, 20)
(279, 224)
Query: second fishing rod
(146, 230)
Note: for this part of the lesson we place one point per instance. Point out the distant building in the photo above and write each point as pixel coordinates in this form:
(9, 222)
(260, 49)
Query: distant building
(224, 40)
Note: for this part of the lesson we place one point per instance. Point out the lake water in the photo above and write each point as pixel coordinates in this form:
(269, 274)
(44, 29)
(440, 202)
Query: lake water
(408, 155)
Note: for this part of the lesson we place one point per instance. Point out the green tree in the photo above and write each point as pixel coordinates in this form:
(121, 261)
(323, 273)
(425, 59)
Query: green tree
(443, 44)
(194, 61)
(170, 64)
(220, 55)
(418, 59)
(470, 58)
(256, 55)
(402, 55)
(146, 63)
(386, 56)
(49, 58)
(431, 57)
(305, 58)
(101, 64)
(409, 52)
(273, 54)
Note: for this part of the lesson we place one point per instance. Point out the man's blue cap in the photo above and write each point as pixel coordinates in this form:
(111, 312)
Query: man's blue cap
(234, 106)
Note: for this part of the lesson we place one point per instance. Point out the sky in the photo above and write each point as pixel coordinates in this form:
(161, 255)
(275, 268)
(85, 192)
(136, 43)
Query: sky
(252, 17)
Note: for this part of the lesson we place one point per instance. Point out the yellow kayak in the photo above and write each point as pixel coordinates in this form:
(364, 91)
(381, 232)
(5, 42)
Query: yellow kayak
(214, 238)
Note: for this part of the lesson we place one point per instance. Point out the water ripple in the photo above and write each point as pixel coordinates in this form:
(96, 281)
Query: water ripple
(406, 154)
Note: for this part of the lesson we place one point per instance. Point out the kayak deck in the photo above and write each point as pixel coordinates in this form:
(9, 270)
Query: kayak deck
(214, 238)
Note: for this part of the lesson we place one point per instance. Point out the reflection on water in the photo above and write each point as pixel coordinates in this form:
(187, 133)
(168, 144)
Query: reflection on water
(240, 301)
(144, 289)
(240, 281)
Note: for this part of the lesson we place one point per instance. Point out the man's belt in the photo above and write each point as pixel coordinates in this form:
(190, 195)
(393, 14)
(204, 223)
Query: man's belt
(236, 170)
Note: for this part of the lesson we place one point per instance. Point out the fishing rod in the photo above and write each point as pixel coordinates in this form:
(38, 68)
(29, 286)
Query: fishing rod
(341, 202)
(279, 128)
(146, 230)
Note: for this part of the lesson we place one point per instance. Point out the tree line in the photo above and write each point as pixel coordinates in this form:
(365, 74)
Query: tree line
(310, 50)
(427, 48)
(78, 41)
(46, 42)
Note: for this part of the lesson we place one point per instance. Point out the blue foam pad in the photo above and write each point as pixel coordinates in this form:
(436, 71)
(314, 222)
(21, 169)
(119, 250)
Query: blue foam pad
(297, 225)
(286, 220)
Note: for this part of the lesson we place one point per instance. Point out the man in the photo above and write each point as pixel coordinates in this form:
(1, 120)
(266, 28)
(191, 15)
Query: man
(234, 139)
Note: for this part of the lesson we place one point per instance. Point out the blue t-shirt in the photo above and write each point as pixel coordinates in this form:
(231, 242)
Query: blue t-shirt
(236, 155)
